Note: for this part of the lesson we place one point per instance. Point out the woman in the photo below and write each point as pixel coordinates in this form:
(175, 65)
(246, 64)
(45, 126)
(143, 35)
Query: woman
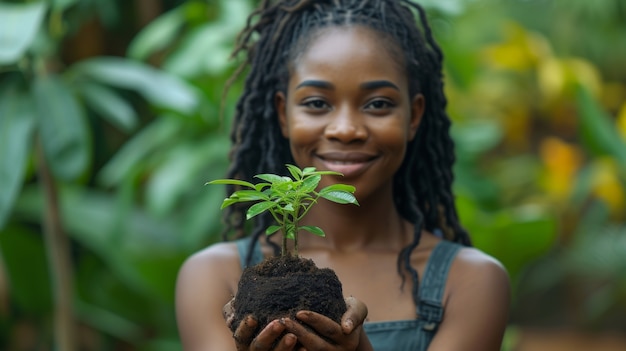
(352, 86)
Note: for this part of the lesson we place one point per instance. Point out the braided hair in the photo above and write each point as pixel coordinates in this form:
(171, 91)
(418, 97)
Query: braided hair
(274, 35)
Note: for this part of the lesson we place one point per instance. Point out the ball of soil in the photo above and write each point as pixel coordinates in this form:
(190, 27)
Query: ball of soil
(281, 286)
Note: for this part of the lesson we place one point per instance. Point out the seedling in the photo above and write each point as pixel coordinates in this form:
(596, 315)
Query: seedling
(288, 199)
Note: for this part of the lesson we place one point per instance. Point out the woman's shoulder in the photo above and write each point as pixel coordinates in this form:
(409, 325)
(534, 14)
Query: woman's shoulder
(215, 254)
(470, 260)
(475, 273)
(219, 260)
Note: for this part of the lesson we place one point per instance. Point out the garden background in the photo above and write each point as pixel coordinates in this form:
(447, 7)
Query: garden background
(110, 126)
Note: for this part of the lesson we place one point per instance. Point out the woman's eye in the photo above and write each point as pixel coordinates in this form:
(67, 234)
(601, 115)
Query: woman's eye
(315, 104)
(379, 104)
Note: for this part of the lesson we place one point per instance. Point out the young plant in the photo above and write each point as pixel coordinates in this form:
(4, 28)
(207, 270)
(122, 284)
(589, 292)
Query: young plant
(288, 199)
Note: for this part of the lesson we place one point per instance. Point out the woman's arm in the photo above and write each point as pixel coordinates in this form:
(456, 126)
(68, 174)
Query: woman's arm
(206, 282)
(202, 288)
(476, 306)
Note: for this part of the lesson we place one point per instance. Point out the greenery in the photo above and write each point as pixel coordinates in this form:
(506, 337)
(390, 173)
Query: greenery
(110, 124)
(288, 199)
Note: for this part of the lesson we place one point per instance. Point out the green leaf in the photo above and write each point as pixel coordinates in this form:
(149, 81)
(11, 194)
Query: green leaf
(296, 173)
(291, 232)
(20, 23)
(313, 230)
(272, 229)
(261, 186)
(308, 170)
(232, 182)
(63, 129)
(229, 201)
(310, 183)
(133, 154)
(110, 106)
(250, 195)
(338, 187)
(158, 87)
(273, 178)
(17, 121)
(259, 208)
(157, 34)
(598, 132)
(340, 197)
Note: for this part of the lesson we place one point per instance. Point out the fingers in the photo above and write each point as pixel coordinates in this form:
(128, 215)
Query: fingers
(323, 325)
(355, 315)
(245, 332)
(306, 337)
(268, 339)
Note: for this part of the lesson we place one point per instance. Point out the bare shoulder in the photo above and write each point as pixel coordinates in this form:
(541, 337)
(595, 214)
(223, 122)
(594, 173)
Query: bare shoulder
(478, 269)
(206, 281)
(476, 305)
(221, 255)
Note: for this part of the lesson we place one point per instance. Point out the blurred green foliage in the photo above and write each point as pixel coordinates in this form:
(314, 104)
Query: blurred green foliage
(119, 102)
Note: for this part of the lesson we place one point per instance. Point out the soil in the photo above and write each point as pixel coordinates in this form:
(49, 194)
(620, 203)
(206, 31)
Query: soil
(281, 286)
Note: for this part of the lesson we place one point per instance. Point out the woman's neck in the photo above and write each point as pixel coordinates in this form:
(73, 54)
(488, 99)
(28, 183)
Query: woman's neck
(372, 225)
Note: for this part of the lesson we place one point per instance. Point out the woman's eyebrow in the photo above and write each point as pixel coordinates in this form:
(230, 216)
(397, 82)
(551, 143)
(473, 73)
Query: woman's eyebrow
(376, 84)
(322, 84)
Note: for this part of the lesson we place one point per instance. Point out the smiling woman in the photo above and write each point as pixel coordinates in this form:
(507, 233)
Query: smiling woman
(352, 87)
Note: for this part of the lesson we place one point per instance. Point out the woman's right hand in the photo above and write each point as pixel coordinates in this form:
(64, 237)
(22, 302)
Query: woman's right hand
(268, 339)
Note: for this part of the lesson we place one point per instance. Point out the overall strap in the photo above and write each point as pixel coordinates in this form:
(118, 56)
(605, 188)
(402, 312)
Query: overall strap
(433, 284)
(243, 246)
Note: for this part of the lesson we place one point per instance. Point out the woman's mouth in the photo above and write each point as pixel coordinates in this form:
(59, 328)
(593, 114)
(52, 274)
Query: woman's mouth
(348, 164)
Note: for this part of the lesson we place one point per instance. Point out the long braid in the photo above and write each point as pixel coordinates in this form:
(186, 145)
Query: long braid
(422, 185)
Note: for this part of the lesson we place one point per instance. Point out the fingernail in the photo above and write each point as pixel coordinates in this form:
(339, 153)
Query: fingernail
(349, 323)
(290, 340)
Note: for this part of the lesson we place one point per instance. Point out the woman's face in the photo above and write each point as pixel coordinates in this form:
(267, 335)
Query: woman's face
(347, 109)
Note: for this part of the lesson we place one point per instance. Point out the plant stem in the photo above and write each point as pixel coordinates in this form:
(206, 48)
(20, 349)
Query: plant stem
(57, 247)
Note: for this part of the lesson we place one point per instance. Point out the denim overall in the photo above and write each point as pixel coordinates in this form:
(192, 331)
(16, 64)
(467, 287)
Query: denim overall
(414, 334)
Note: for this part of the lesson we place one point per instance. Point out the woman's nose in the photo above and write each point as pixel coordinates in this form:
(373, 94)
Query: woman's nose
(347, 125)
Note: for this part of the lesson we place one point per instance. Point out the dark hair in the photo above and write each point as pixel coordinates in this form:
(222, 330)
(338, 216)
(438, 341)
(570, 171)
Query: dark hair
(275, 32)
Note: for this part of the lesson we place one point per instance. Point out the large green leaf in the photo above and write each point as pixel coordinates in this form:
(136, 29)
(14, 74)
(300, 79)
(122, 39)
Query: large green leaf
(180, 172)
(109, 105)
(124, 163)
(17, 119)
(159, 88)
(20, 23)
(63, 130)
(157, 34)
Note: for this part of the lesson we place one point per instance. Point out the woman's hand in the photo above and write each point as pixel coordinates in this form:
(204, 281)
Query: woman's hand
(268, 339)
(327, 334)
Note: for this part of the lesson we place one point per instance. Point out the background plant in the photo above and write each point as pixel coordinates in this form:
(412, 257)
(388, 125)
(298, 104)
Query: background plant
(128, 94)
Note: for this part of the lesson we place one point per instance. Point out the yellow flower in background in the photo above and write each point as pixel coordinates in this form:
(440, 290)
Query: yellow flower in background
(606, 185)
(562, 161)
(558, 77)
(520, 51)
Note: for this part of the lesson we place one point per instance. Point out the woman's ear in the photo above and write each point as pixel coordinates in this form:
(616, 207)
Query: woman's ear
(418, 106)
(280, 102)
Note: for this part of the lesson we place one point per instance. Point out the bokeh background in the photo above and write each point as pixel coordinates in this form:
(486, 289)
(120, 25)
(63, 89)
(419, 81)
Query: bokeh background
(110, 125)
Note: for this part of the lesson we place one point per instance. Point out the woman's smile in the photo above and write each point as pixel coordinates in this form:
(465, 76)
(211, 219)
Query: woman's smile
(350, 164)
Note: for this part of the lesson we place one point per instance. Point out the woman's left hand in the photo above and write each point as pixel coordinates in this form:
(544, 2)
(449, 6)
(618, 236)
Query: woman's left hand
(327, 334)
